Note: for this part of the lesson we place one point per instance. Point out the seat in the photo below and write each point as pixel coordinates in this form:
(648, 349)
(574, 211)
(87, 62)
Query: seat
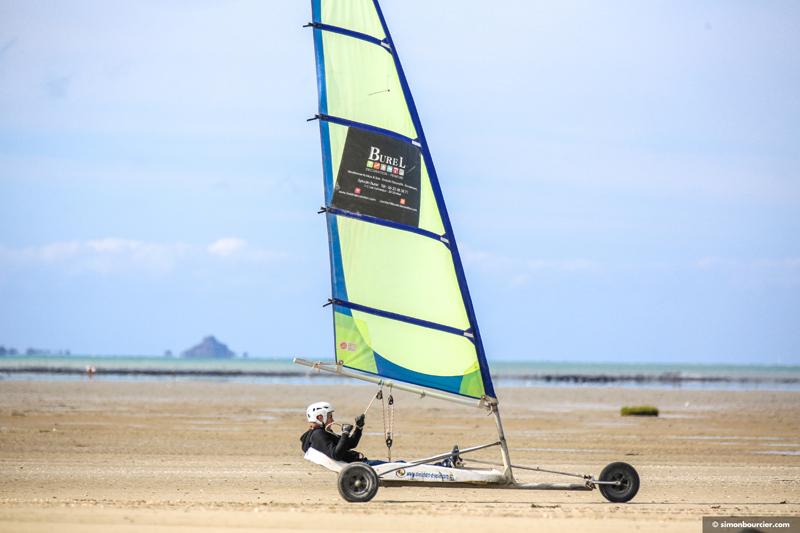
(317, 457)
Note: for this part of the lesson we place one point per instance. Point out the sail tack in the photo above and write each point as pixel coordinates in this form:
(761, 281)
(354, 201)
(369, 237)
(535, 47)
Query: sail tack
(400, 301)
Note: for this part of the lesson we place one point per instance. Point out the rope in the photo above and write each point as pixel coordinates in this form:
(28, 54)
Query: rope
(378, 395)
(389, 440)
(387, 433)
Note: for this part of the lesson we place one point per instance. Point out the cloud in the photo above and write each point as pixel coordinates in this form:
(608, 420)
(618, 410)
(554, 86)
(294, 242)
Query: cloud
(103, 256)
(56, 251)
(750, 273)
(784, 272)
(518, 271)
(566, 265)
(113, 255)
(226, 247)
(713, 262)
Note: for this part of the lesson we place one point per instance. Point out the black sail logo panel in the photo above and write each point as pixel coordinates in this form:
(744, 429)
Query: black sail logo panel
(379, 176)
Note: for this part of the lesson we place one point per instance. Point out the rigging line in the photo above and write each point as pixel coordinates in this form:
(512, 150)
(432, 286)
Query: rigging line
(350, 33)
(368, 127)
(385, 433)
(375, 397)
(467, 334)
(386, 223)
(389, 434)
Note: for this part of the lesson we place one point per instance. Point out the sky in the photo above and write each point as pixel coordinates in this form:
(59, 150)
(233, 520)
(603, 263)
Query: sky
(623, 177)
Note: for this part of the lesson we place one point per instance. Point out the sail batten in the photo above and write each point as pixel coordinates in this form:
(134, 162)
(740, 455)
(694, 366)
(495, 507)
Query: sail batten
(368, 127)
(351, 33)
(402, 308)
(389, 224)
(403, 318)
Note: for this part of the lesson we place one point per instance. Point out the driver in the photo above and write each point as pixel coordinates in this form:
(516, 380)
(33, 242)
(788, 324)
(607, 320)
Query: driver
(320, 437)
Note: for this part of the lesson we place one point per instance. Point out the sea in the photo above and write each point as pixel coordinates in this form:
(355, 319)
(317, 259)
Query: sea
(504, 373)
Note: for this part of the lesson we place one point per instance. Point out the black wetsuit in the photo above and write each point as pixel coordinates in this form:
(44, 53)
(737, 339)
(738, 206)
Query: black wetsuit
(334, 446)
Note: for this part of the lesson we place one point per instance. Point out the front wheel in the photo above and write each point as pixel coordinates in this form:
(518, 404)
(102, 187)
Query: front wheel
(627, 482)
(358, 482)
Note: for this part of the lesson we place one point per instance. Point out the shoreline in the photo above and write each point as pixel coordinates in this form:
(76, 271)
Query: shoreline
(670, 379)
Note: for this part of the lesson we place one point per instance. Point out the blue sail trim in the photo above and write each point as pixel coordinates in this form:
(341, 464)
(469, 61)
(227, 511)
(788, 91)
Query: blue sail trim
(390, 370)
(462, 281)
(368, 127)
(338, 286)
(350, 33)
(337, 302)
(387, 223)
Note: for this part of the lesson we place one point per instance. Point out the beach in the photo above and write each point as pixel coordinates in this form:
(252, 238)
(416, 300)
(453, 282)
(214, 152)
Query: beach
(97, 455)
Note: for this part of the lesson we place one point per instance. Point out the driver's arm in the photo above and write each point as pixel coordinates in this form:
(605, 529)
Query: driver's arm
(346, 442)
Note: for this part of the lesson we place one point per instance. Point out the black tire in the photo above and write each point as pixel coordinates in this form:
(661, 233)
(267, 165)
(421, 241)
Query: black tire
(628, 480)
(357, 482)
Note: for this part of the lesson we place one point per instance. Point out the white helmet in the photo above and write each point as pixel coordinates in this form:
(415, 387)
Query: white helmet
(316, 409)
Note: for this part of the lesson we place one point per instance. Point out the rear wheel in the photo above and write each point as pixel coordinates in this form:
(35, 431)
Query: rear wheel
(627, 482)
(358, 482)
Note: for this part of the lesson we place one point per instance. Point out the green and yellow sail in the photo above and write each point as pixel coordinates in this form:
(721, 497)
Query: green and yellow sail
(401, 305)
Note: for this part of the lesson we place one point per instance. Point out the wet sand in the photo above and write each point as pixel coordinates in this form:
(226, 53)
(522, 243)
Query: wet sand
(188, 455)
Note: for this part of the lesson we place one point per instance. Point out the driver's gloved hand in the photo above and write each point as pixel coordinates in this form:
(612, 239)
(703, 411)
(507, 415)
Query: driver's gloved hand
(360, 421)
(346, 429)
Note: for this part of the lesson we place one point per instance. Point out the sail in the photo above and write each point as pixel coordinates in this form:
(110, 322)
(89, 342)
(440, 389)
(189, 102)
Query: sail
(400, 301)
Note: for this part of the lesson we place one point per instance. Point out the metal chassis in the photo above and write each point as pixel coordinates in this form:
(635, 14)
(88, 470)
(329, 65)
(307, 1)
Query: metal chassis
(589, 481)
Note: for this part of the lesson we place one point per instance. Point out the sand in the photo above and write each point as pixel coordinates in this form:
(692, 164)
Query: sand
(212, 456)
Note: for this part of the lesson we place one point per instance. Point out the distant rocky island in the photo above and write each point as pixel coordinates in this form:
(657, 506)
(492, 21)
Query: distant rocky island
(208, 348)
(211, 348)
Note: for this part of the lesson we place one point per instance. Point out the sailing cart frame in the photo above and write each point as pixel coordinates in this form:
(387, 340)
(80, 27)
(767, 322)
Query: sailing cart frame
(375, 105)
(358, 482)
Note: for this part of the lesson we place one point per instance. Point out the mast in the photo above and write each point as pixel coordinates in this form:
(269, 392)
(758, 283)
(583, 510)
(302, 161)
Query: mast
(508, 473)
